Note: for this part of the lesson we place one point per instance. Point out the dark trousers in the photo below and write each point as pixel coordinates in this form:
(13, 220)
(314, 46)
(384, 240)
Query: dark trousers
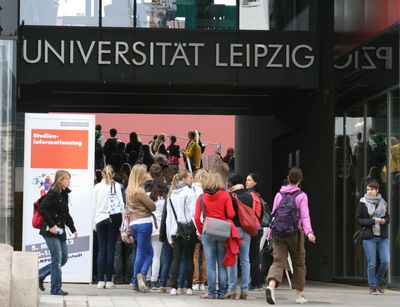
(167, 253)
(124, 258)
(254, 256)
(106, 237)
(182, 249)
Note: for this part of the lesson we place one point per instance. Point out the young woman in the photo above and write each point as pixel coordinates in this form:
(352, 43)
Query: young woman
(158, 195)
(373, 216)
(199, 257)
(252, 185)
(193, 150)
(180, 208)
(158, 146)
(217, 204)
(173, 154)
(294, 244)
(140, 207)
(106, 231)
(55, 213)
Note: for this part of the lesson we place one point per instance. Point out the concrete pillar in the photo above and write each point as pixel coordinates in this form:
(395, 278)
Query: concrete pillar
(6, 252)
(25, 280)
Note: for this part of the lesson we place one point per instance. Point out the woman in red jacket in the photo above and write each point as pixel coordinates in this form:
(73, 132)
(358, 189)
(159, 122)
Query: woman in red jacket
(217, 204)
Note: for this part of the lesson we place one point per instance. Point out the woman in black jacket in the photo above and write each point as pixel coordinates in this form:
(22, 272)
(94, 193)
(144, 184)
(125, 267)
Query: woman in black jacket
(373, 216)
(55, 213)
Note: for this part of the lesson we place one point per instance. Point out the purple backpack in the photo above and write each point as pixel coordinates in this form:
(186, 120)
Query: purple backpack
(284, 222)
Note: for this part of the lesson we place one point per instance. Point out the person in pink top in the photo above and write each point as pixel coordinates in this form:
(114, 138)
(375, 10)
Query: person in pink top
(290, 224)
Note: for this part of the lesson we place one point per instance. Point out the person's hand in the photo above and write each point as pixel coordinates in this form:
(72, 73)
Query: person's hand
(311, 238)
(75, 234)
(377, 220)
(53, 229)
(382, 221)
(199, 236)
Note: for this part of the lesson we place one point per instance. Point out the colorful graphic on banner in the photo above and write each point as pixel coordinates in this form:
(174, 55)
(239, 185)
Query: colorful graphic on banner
(53, 142)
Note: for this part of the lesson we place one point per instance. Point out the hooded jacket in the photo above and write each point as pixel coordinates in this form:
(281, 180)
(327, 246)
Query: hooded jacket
(183, 199)
(303, 215)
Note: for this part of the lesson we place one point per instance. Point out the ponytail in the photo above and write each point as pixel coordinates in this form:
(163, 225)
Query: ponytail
(182, 174)
(108, 174)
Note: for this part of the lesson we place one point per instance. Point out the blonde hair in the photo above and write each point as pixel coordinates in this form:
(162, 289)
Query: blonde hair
(60, 175)
(108, 174)
(136, 179)
(213, 181)
(222, 169)
(160, 139)
(182, 174)
(200, 176)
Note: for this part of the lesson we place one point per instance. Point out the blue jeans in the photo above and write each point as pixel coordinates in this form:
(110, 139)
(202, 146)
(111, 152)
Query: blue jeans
(166, 260)
(244, 263)
(106, 237)
(371, 247)
(215, 252)
(59, 256)
(144, 251)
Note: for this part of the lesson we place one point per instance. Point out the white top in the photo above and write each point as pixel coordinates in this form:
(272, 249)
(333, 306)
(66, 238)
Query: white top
(158, 214)
(184, 201)
(100, 201)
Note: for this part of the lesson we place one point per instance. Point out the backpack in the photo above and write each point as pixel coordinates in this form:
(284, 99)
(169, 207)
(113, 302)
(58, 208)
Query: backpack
(247, 217)
(37, 219)
(284, 222)
(265, 217)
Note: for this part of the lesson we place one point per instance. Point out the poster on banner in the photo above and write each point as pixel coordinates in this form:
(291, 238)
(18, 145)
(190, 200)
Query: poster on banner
(54, 142)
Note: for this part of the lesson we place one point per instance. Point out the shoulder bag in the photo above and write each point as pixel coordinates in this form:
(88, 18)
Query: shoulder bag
(213, 227)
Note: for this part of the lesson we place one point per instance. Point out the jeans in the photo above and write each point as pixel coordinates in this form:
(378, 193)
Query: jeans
(215, 252)
(185, 249)
(106, 237)
(144, 252)
(167, 253)
(254, 256)
(244, 263)
(371, 247)
(123, 261)
(59, 256)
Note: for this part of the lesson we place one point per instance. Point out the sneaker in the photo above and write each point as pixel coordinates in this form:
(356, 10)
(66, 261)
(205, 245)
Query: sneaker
(381, 289)
(269, 295)
(180, 291)
(373, 291)
(196, 287)
(189, 291)
(207, 296)
(162, 290)
(101, 285)
(41, 286)
(202, 287)
(61, 292)
(301, 300)
(141, 283)
(110, 285)
(173, 292)
(154, 285)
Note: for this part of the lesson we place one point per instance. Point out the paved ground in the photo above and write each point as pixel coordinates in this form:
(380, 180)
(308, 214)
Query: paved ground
(318, 294)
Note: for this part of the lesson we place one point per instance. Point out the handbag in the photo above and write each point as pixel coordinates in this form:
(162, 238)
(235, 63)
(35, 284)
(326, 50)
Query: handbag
(358, 236)
(114, 207)
(219, 229)
(185, 231)
(126, 233)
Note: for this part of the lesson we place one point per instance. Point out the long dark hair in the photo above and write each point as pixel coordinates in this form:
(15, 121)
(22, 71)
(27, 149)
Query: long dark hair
(256, 179)
(158, 189)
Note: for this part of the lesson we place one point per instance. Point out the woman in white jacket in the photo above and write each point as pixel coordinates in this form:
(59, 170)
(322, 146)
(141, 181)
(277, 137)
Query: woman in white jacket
(107, 232)
(182, 202)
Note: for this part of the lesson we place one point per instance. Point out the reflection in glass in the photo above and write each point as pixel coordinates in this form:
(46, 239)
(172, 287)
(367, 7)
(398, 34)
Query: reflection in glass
(394, 182)
(281, 15)
(59, 12)
(117, 13)
(187, 14)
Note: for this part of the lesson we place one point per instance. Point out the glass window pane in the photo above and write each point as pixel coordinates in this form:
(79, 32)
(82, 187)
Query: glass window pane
(117, 13)
(59, 12)
(187, 14)
(394, 198)
(281, 15)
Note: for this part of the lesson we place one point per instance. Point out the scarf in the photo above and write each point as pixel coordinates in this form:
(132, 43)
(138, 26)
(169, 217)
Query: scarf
(376, 207)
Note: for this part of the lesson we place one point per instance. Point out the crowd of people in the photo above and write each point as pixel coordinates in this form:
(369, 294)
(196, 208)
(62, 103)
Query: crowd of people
(193, 229)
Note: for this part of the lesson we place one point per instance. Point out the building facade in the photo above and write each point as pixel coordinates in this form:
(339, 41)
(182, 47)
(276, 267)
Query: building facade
(304, 78)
